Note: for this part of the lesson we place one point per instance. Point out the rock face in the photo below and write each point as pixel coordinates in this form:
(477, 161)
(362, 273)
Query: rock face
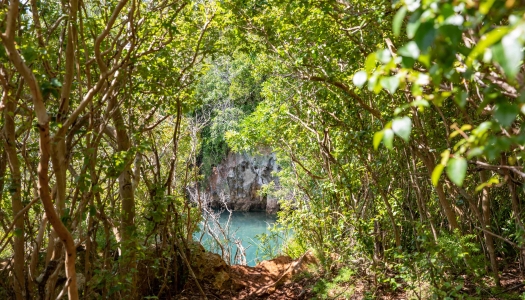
(237, 181)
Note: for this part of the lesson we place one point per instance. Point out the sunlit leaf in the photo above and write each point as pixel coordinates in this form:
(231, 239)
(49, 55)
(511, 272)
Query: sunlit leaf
(412, 27)
(402, 127)
(438, 170)
(410, 50)
(388, 138)
(508, 54)
(484, 6)
(370, 63)
(55, 82)
(359, 78)
(456, 170)
(486, 41)
(398, 20)
(378, 136)
(390, 84)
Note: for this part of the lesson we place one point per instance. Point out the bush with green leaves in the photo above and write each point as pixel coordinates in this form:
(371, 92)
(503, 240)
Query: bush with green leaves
(440, 269)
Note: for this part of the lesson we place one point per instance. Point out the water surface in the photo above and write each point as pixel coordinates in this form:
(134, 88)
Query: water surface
(248, 228)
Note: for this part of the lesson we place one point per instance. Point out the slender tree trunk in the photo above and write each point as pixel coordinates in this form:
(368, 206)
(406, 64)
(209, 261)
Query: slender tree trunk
(127, 213)
(91, 145)
(486, 224)
(44, 144)
(16, 197)
(58, 157)
(423, 212)
(384, 196)
(3, 166)
(36, 251)
(517, 217)
(443, 201)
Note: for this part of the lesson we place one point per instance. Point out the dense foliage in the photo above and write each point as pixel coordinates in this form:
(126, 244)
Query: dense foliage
(94, 97)
(398, 126)
(446, 78)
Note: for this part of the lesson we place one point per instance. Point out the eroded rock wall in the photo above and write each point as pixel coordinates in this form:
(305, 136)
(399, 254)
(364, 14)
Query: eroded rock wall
(237, 181)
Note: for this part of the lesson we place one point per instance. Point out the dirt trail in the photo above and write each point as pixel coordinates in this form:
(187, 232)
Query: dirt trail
(270, 279)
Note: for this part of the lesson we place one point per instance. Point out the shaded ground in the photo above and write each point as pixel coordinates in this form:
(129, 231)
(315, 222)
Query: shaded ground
(284, 278)
(268, 280)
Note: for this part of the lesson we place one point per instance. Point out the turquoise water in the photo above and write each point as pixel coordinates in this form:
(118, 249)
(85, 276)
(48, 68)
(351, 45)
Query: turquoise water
(250, 229)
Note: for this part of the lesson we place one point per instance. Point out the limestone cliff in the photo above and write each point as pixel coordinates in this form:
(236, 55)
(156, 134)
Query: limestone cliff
(239, 178)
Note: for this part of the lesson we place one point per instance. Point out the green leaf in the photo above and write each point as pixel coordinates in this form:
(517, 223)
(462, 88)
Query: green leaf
(378, 136)
(18, 232)
(451, 32)
(359, 78)
(425, 35)
(370, 63)
(484, 6)
(508, 54)
(384, 56)
(505, 113)
(420, 102)
(456, 170)
(92, 210)
(438, 170)
(486, 41)
(407, 62)
(410, 50)
(402, 127)
(412, 26)
(461, 99)
(29, 54)
(390, 83)
(388, 138)
(475, 152)
(55, 93)
(3, 54)
(55, 82)
(492, 181)
(398, 20)
(447, 10)
(424, 59)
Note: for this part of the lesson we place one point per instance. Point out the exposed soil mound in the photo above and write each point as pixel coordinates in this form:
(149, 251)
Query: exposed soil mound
(270, 279)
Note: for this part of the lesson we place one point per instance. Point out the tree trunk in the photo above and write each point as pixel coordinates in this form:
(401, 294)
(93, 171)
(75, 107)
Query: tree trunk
(16, 197)
(384, 196)
(443, 201)
(8, 40)
(485, 223)
(127, 213)
(516, 214)
(423, 211)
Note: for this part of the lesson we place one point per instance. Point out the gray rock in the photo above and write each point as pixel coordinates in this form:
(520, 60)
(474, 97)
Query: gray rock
(239, 179)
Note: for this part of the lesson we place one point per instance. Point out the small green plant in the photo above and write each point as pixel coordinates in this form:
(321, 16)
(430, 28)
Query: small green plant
(340, 286)
(293, 248)
(268, 245)
(439, 271)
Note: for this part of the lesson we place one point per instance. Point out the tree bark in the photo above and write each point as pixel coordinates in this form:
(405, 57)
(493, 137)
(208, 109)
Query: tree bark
(127, 197)
(485, 223)
(44, 145)
(423, 211)
(443, 201)
(16, 191)
(384, 196)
